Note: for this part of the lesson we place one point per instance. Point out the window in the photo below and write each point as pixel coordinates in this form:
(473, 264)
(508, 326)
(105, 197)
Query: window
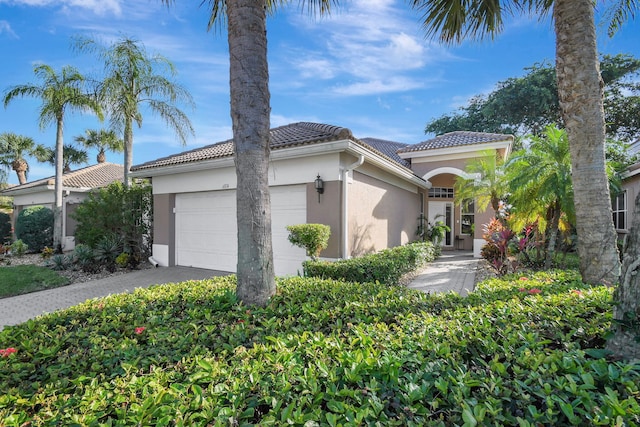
(467, 220)
(441, 193)
(619, 207)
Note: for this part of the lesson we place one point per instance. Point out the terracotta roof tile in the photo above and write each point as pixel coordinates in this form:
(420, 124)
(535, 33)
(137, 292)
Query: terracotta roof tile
(292, 135)
(456, 139)
(388, 148)
(95, 176)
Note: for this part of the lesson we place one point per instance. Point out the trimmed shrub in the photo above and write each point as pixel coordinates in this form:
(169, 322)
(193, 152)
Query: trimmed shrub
(311, 237)
(387, 266)
(521, 351)
(126, 212)
(34, 227)
(5, 228)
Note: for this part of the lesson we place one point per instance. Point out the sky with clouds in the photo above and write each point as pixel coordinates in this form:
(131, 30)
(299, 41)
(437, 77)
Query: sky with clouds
(367, 66)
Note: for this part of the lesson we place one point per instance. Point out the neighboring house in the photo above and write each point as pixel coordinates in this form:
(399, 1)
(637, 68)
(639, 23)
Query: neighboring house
(623, 203)
(373, 193)
(76, 186)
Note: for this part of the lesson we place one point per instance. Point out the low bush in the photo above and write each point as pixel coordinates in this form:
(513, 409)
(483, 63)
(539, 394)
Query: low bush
(34, 226)
(387, 266)
(19, 248)
(311, 237)
(521, 351)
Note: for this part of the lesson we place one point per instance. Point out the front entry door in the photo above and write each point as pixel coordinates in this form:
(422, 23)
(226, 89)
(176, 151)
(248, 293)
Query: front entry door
(442, 211)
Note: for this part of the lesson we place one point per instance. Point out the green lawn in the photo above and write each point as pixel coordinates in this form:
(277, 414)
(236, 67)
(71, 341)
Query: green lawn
(23, 279)
(521, 351)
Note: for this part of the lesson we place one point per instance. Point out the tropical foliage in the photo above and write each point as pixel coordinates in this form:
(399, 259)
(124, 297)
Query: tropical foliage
(71, 155)
(59, 93)
(485, 182)
(540, 185)
(103, 140)
(135, 78)
(13, 150)
(525, 350)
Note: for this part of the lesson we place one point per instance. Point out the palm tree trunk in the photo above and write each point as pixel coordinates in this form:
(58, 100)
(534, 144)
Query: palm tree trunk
(57, 208)
(552, 233)
(581, 99)
(128, 149)
(250, 110)
(20, 166)
(626, 312)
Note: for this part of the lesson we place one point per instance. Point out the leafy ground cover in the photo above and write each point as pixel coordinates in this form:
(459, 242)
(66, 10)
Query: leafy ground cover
(22, 279)
(519, 351)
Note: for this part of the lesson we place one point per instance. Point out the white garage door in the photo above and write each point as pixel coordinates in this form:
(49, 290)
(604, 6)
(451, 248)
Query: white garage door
(206, 233)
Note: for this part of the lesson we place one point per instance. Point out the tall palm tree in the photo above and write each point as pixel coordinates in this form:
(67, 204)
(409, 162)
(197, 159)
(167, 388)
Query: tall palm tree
(540, 182)
(70, 156)
(580, 91)
(13, 150)
(487, 184)
(133, 78)
(250, 111)
(59, 93)
(102, 140)
(581, 102)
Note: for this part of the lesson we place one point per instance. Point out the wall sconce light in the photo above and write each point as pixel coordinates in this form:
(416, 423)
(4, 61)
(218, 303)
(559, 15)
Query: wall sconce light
(319, 186)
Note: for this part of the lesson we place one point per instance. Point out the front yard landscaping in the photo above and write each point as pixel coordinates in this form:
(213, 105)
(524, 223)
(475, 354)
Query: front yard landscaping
(522, 350)
(22, 279)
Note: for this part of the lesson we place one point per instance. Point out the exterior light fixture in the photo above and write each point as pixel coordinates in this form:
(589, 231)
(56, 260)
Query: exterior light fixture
(319, 186)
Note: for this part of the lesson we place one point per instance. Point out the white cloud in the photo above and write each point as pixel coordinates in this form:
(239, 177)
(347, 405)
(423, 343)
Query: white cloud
(5, 28)
(373, 44)
(99, 7)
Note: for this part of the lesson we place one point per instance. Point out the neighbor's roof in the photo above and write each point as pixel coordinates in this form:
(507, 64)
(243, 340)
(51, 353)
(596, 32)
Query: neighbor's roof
(457, 139)
(292, 135)
(388, 148)
(95, 176)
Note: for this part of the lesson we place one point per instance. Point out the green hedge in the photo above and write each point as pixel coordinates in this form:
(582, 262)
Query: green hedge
(387, 266)
(323, 353)
(34, 227)
(5, 228)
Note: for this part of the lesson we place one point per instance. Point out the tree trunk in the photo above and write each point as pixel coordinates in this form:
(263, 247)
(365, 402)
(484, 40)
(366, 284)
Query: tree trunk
(250, 110)
(553, 223)
(101, 157)
(20, 166)
(57, 207)
(128, 149)
(626, 312)
(581, 100)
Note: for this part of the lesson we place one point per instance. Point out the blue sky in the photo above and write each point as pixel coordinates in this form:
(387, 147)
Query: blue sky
(367, 67)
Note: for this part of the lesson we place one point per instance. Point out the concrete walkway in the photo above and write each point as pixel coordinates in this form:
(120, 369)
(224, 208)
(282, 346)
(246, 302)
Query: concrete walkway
(452, 271)
(21, 308)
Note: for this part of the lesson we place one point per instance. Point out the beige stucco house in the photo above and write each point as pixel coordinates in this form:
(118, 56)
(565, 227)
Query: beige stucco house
(76, 186)
(373, 192)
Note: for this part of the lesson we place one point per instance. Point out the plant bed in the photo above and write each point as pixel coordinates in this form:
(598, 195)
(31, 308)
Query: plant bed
(524, 350)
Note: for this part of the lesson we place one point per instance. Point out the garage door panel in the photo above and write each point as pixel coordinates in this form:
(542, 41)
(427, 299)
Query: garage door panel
(206, 231)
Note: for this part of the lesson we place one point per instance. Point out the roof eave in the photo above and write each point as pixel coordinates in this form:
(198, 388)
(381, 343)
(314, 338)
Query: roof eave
(471, 148)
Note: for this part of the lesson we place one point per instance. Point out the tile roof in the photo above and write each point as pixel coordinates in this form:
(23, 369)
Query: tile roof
(95, 176)
(456, 139)
(295, 134)
(388, 148)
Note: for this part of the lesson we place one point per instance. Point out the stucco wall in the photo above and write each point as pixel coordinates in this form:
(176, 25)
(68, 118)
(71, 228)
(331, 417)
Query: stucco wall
(381, 215)
(632, 187)
(327, 211)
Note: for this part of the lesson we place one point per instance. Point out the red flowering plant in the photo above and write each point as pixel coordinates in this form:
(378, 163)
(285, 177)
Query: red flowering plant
(6, 352)
(497, 251)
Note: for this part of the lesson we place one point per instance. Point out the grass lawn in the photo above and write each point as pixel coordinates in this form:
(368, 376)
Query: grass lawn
(525, 351)
(23, 279)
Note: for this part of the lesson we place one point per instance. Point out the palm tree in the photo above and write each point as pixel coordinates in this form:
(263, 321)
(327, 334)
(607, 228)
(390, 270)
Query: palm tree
(59, 92)
(580, 91)
(13, 150)
(581, 102)
(70, 156)
(102, 140)
(134, 78)
(540, 182)
(250, 111)
(485, 183)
